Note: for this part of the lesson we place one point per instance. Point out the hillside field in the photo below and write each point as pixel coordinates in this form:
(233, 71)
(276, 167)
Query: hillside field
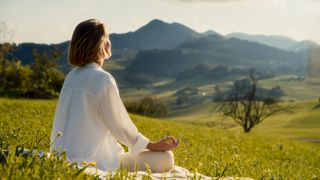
(213, 151)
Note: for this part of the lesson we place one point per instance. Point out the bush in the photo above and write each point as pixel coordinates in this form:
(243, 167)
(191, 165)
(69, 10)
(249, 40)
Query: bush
(148, 107)
(15, 78)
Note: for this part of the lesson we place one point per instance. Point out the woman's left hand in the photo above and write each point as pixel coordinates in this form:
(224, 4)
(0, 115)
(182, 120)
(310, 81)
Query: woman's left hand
(165, 144)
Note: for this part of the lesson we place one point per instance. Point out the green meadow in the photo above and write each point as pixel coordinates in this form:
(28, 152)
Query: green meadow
(282, 147)
(174, 73)
(301, 96)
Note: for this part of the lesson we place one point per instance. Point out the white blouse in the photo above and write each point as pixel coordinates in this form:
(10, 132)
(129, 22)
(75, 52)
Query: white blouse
(91, 117)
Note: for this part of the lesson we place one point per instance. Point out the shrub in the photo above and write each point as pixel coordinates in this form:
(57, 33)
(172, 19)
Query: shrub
(148, 107)
(14, 77)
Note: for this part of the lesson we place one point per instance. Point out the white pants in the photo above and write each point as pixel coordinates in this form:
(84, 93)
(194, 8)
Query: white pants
(155, 161)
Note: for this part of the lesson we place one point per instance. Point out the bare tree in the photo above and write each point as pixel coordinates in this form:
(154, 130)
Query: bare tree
(6, 34)
(245, 108)
(318, 105)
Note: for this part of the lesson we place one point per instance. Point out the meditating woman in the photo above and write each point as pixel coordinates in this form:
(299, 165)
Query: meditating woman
(90, 117)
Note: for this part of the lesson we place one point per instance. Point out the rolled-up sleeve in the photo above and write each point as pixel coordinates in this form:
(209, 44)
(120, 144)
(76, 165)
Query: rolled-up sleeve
(116, 118)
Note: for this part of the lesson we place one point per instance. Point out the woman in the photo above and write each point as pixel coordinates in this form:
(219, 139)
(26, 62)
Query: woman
(91, 117)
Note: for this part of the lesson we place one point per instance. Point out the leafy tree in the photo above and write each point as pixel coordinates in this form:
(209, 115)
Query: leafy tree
(14, 76)
(245, 108)
(47, 80)
(41, 79)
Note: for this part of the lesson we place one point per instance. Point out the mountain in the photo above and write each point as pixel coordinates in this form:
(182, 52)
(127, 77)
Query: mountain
(303, 46)
(236, 48)
(281, 42)
(216, 50)
(167, 49)
(24, 51)
(154, 35)
(210, 32)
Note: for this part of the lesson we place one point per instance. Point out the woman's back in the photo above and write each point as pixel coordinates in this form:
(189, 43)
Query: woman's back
(84, 133)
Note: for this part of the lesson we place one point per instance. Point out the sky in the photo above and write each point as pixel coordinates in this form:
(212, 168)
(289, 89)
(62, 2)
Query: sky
(53, 21)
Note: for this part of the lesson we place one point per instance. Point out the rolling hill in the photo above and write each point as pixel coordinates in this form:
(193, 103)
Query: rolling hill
(212, 151)
(217, 50)
(281, 42)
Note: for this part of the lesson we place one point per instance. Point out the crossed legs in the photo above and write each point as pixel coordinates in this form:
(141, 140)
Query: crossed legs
(156, 161)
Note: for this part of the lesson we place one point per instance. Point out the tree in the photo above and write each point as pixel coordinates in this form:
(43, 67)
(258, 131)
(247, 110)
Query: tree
(243, 106)
(6, 34)
(40, 79)
(14, 76)
(47, 80)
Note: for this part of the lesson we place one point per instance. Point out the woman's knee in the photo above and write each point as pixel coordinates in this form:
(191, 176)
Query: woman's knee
(158, 161)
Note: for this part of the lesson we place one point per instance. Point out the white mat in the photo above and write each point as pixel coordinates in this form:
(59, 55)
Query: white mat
(178, 173)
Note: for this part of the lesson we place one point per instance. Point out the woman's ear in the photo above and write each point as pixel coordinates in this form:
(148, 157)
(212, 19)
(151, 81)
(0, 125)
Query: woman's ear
(108, 48)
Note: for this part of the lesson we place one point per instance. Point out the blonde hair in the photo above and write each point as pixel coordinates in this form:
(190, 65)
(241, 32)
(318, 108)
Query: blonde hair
(90, 43)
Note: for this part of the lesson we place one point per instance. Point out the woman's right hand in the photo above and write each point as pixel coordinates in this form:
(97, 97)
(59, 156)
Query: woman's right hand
(165, 144)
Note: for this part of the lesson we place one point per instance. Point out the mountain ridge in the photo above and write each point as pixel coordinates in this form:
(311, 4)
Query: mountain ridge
(155, 34)
(207, 47)
(278, 41)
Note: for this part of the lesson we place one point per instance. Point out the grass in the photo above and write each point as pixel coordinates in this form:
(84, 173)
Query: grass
(212, 151)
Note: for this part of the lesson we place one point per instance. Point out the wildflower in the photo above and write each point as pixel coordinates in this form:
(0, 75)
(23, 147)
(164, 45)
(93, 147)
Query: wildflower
(93, 164)
(84, 163)
(59, 134)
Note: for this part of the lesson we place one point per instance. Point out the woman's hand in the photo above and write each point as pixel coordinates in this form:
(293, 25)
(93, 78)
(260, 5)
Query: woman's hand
(165, 144)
